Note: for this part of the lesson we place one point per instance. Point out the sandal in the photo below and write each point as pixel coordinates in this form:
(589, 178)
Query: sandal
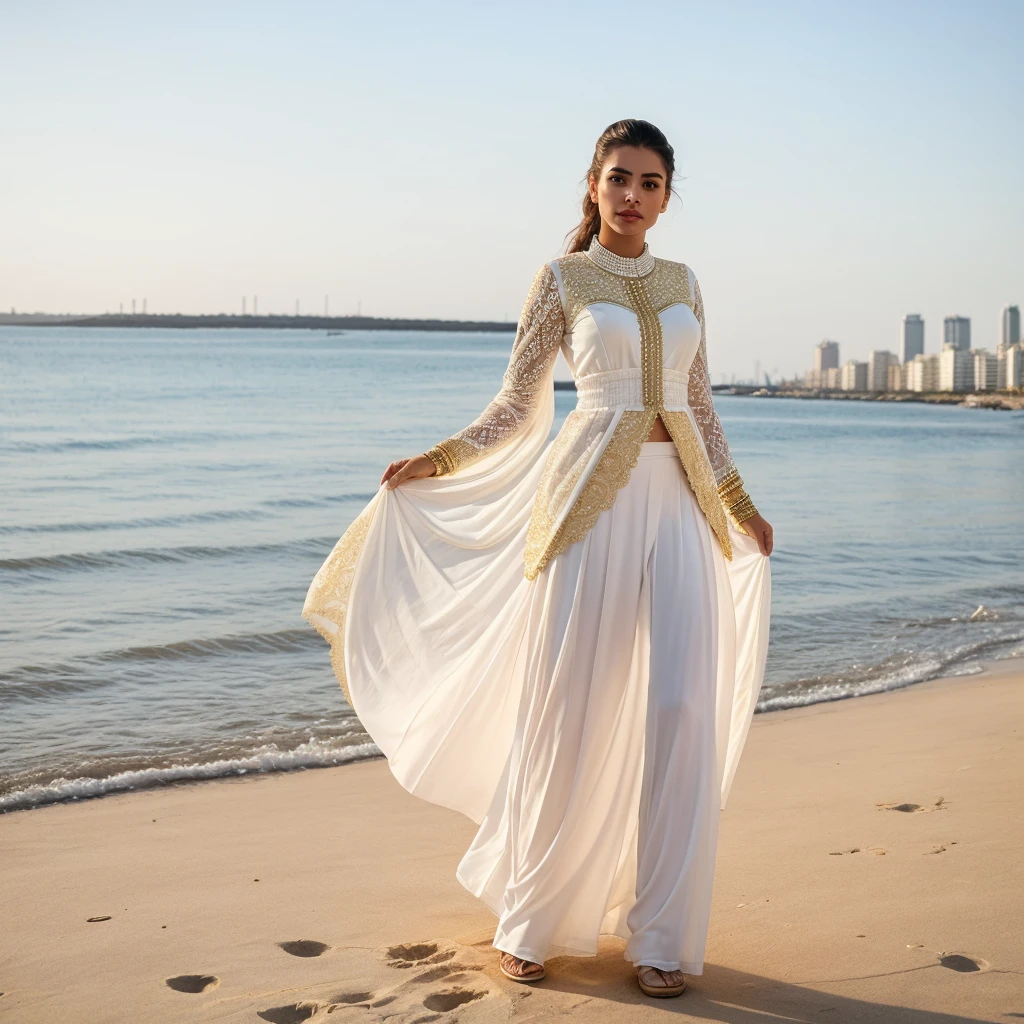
(517, 963)
(664, 990)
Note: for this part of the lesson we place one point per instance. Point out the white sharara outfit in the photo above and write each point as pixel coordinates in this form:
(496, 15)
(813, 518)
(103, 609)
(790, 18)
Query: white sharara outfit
(565, 641)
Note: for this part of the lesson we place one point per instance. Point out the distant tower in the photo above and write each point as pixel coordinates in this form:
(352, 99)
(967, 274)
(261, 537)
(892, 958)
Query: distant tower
(144, 301)
(133, 307)
(1009, 333)
(255, 305)
(826, 355)
(296, 307)
(243, 305)
(325, 305)
(956, 331)
(912, 343)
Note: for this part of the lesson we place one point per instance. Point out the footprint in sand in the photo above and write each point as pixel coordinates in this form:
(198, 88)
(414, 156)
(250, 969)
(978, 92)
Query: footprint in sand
(417, 955)
(294, 1013)
(305, 947)
(193, 983)
(912, 808)
(450, 998)
(348, 998)
(963, 964)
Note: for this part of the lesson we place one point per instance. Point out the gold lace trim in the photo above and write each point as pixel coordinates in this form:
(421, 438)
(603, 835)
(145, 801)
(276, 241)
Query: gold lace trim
(326, 606)
(586, 283)
(611, 473)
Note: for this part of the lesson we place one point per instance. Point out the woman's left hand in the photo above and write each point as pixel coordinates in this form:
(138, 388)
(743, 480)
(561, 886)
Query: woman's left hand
(761, 530)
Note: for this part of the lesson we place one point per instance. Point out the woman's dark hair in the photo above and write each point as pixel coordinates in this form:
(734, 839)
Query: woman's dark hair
(631, 132)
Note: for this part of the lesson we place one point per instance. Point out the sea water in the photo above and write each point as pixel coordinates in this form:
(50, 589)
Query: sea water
(166, 497)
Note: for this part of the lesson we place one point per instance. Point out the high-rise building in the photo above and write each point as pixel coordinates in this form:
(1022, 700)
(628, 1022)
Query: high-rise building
(985, 370)
(1009, 325)
(956, 331)
(826, 355)
(956, 369)
(878, 369)
(912, 342)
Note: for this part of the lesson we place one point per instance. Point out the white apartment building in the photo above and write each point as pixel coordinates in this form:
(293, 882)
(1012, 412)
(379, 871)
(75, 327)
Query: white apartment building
(922, 373)
(956, 369)
(912, 339)
(854, 376)
(986, 370)
(1015, 366)
(895, 380)
(879, 362)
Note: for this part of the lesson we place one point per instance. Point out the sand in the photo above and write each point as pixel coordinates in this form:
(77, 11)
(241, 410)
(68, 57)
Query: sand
(869, 870)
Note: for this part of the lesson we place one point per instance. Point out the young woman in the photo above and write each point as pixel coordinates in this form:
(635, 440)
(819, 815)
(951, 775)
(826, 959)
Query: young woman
(565, 641)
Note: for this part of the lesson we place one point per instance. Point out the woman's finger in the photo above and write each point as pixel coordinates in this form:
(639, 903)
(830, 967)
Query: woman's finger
(392, 470)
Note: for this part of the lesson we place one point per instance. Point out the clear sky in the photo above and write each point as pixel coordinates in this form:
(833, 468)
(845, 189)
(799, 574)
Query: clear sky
(840, 164)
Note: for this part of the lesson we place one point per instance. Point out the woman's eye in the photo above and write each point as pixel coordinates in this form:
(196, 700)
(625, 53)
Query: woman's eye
(652, 185)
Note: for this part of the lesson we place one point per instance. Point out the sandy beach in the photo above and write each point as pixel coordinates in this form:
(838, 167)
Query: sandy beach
(869, 869)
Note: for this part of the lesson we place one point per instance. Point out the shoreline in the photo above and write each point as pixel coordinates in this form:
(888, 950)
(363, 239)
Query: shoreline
(994, 400)
(866, 872)
(253, 321)
(84, 789)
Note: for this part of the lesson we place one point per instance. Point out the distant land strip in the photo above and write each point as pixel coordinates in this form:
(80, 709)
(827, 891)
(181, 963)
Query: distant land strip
(312, 323)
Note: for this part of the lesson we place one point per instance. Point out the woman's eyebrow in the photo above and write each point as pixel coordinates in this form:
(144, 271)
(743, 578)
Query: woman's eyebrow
(622, 170)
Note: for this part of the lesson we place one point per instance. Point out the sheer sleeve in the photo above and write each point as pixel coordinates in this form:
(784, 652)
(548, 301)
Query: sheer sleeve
(540, 333)
(730, 484)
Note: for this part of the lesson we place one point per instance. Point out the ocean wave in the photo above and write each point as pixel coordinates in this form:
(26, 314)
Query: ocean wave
(118, 444)
(34, 682)
(893, 673)
(146, 522)
(267, 759)
(261, 511)
(119, 558)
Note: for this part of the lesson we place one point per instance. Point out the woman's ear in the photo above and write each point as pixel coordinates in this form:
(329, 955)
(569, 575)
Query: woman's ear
(592, 187)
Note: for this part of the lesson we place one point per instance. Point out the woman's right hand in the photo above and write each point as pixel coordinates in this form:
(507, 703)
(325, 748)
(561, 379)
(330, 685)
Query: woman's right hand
(417, 468)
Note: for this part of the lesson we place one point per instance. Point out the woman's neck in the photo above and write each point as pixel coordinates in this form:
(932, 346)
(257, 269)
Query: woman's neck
(627, 246)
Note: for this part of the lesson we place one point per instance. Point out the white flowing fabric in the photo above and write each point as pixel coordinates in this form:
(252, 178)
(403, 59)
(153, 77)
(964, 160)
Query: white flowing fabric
(591, 718)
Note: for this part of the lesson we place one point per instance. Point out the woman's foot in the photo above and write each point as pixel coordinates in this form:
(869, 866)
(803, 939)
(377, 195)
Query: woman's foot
(517, 969)
(661, 984)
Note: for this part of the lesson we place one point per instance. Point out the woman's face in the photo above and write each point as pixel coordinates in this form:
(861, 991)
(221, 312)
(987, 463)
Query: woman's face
(630, 190)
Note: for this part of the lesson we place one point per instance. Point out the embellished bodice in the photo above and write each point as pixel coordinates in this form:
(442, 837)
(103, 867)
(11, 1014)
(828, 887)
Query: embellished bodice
(632, 332)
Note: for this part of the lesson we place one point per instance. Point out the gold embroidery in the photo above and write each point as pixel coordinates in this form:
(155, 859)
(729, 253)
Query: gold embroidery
(586, 283)
(326, 605)
(611, 473)
(735, 498)
(652, 362)
(668, 284)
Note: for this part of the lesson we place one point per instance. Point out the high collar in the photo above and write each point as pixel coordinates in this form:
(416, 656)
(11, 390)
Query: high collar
(624, 266)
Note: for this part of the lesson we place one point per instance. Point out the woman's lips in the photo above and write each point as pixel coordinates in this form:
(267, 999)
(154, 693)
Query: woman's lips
(629, 215)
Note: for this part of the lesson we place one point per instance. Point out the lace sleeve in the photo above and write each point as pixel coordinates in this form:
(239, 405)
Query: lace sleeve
(540, 332)
(730, 484)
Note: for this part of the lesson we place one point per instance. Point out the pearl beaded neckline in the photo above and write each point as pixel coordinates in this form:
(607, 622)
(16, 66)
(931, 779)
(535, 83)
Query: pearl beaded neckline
(624, 266)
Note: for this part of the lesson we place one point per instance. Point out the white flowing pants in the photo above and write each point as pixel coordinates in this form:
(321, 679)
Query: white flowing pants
(606, 818)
